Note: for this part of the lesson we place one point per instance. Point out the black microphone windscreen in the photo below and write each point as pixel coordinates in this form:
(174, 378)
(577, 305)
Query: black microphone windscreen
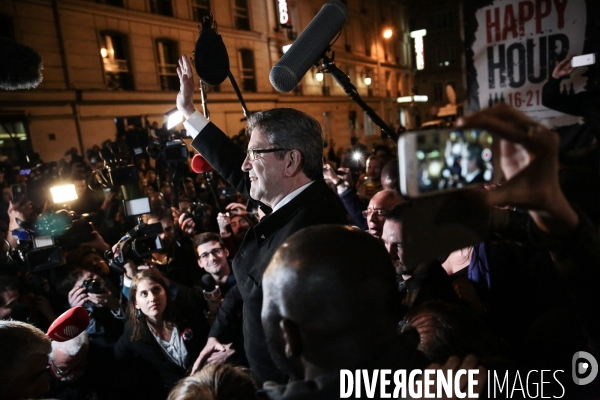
(309, 46)
(210, 57)
(21, 66)
(208, 283)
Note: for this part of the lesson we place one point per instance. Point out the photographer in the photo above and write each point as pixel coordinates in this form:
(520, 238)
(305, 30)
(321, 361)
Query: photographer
(89, 290)
(176, 260)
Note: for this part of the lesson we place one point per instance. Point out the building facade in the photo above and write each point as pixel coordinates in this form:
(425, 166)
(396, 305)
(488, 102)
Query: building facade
(110, 63)
(443, 52)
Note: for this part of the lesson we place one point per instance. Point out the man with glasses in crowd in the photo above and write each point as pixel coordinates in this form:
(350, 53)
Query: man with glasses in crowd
(283, 170)
(379, 204)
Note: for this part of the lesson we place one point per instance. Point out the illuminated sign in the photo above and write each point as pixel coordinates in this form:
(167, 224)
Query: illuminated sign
(284, 17)
(419, 48)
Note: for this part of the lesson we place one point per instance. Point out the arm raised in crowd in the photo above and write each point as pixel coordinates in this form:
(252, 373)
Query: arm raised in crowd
(529, 161)
(214, 145)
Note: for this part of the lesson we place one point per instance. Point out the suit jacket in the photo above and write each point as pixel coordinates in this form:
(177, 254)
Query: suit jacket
(159, 371)
(317, 204)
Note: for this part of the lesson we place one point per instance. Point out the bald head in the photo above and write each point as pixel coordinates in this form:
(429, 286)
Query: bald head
(379, 204)
(340, 296)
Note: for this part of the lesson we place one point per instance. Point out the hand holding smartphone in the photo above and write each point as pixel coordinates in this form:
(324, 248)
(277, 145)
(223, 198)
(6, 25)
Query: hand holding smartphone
(19, 193)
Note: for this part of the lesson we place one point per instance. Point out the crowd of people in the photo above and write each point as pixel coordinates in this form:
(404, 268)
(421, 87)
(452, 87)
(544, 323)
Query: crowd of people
(293, 271)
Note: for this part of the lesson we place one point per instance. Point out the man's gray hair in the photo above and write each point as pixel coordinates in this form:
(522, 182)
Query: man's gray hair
(292, 129)
(71, 347)
(19, 342)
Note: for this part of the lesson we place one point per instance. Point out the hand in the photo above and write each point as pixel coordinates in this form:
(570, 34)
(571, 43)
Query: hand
(42, 305)
(347, 176)
(108, 200)
(21, 210)
(185, 97)
(454, 364)
(529, 161)
(104, 300)
(563, 68)
(212, 346)
(187, 224)
(329, 173)
(221, 356)
(223, 220)
(235, 208)
(466, 292)
(97, 242)
(77, 296)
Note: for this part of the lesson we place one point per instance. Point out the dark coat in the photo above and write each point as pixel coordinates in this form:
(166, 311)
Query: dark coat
(159, 371)
(317, 204)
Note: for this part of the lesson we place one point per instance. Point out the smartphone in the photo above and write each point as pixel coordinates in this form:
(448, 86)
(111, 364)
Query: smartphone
(586, 59)
(25, 172)
(19, 192)
(444, 159)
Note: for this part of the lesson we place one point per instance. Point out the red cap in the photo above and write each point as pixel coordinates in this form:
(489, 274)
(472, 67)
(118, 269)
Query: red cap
(69, 324)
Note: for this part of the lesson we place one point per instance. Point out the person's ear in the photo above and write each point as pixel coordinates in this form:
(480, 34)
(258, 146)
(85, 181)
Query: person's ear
(225, 252)
(293, 162)
(292, 337)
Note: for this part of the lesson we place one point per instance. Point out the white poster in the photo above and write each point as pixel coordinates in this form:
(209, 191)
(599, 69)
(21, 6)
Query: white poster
(517, 45)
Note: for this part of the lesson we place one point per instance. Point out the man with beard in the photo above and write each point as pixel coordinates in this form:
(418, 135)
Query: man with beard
(334, 307)
(283, 170)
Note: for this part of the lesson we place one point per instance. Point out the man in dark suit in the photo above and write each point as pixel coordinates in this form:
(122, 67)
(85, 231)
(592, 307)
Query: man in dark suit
(283, 170)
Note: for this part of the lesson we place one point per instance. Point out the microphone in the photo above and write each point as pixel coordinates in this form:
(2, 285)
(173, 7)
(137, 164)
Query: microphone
(69, 324)
(309, 47)
(21, 66)
(199, 164)
(210, 289)
(211, 293)
(210, 54)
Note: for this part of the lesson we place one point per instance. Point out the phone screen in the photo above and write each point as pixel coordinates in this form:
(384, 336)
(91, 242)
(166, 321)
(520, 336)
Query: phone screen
(446, 159)
(19, 192)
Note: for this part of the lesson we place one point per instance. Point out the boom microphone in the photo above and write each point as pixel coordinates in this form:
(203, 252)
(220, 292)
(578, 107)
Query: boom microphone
(210, 54)
(69, 324)
(309, 47)
(21, 66)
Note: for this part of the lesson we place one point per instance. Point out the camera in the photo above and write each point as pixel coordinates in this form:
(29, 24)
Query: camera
(201, 214)
(140, 242)
(173, 151)
(92, 285)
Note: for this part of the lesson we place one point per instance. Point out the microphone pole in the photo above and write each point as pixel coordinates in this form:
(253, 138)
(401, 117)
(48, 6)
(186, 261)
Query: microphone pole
(344, 81)
(239, 94)
(204, 102)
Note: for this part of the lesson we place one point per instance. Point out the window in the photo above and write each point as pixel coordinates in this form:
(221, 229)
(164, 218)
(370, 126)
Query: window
(167, 64)
(199, 7)
(116, 3)
(15, 142)
(369, 124)
(241, 15)
(113, 49)
(438, 91)
(444, 19)
(248, 71)
(161, 7)
(6, 27)
(444, 56)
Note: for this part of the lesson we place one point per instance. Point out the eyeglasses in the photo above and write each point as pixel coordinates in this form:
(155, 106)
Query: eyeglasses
(378, 213)
(70, 372)
(253, 153)
(216, 252)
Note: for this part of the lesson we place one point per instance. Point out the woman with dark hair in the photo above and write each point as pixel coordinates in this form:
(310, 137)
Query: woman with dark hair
(166, 334)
